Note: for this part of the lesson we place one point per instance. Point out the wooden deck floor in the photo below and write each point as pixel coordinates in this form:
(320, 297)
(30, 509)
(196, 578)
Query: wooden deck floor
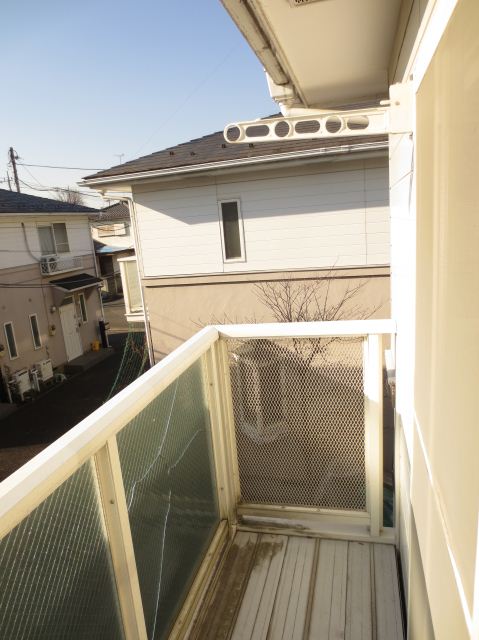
(280, 587)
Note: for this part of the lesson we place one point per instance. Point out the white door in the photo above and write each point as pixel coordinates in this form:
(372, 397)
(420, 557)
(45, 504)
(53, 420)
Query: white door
(71, 333)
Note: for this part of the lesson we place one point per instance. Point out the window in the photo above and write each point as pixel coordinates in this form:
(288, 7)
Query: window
(232, 231)
(37, 340)
(61, 237)
(82, 303)
(47, 242)
(53, 238)
(11, 343)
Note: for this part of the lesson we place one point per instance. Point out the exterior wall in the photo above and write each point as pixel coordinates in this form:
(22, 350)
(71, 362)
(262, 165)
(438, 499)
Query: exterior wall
(179, 307)
(447, 323)
(36, 296)
(434, 277)
(15, 251)
(314, 216)
(125, 240)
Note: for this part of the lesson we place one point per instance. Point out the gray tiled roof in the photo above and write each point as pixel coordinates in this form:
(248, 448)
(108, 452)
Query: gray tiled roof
(13, 202)
(214, 148)
(118, 211)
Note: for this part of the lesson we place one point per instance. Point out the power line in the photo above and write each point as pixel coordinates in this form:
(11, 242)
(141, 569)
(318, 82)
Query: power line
(51, 189)
(52, 166)
(188, 97)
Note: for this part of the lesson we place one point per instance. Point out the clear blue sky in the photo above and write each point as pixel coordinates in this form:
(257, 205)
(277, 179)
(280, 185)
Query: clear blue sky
(83, 81)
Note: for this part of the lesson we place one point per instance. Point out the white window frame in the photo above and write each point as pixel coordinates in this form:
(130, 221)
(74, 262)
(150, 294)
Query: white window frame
(242, 258)
(35, 315)
(10, 322)
(52, 227)
(83, 308)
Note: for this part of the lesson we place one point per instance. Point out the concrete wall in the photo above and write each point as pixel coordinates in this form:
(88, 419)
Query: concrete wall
(178, 307)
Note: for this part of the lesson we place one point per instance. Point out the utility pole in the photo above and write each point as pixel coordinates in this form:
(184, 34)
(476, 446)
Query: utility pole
(14, 166)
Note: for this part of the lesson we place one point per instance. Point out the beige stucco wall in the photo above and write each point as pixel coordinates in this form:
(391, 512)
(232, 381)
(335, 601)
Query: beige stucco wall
(178, 307)
(17, 304)
(445, 475)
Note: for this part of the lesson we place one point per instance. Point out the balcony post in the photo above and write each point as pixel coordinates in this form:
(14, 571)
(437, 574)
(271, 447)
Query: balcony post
(373, 422)
(115, 513)
(223, 368)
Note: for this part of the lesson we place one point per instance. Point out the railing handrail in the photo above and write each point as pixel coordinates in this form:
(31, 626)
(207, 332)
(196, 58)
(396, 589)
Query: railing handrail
(27, 487)
(335, 328)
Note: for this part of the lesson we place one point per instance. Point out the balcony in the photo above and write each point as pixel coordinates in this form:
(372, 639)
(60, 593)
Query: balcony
(53, 264)
(235, 490)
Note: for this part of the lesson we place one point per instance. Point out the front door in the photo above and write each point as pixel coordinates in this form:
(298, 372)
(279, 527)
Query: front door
(71, 333)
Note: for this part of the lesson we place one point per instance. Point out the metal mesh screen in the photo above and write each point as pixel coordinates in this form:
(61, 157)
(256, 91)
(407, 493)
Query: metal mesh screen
(56, 580)
(299, 421)
(167, 468)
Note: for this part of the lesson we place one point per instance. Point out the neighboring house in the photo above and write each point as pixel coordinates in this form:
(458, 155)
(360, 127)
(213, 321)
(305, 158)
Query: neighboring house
(49, 301)
(214, 219)
(113, 240)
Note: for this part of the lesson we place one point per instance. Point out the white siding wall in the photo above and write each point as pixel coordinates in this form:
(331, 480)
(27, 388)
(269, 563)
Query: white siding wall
(113, 240)
(13, 248)
(320, 219)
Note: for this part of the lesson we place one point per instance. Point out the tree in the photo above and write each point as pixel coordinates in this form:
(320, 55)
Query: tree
(71, 196)
(314, 300)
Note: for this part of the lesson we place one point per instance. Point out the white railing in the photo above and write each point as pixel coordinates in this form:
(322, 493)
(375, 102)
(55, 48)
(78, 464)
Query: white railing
(95, 440)
(52, 264)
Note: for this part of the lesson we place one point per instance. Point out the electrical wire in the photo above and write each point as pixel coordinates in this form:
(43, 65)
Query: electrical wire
(188, 98)
(51, 166)
(50, 189)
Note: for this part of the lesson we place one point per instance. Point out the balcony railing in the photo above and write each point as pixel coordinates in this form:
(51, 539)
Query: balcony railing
(114, 529)
(52, 264)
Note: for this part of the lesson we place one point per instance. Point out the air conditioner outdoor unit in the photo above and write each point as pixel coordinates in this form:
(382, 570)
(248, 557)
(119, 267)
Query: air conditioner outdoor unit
(49, 263)
(44, 370)
(21, 382)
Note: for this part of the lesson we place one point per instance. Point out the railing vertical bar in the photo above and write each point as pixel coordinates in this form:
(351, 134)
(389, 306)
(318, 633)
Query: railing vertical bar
(373, 418)
(217, 436)
(229, 422)
(115, 512)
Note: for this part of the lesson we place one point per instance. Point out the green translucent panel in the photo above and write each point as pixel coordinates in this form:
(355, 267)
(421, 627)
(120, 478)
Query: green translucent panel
(56, 580)
(167, 468)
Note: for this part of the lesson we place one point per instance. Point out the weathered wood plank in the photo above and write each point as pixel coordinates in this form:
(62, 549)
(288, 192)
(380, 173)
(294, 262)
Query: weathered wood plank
(328, 613)
(222, 607)
(255, 613)
(358, 600)
(289, 616)
(388, 606)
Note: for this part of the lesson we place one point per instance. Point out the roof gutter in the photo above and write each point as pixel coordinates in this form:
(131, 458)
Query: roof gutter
(247, 22)
(226, 164)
